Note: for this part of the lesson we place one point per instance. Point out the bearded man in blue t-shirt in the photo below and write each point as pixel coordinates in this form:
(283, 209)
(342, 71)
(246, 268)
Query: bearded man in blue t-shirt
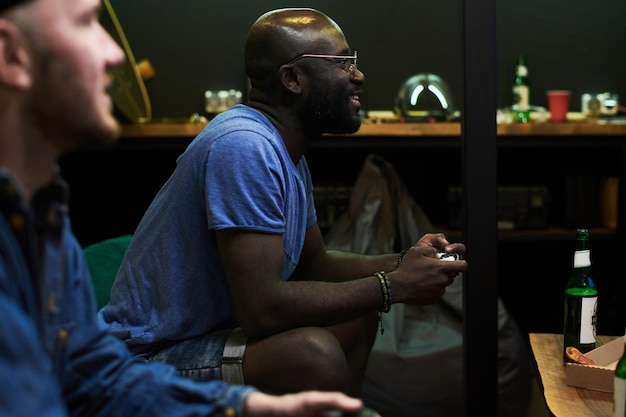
(227, 275)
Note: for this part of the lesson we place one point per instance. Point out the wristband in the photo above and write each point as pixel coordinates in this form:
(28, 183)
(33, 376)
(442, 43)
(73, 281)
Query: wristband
(385, 287)
(401, 256)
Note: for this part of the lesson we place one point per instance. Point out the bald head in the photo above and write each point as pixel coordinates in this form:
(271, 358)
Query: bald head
(280, 35)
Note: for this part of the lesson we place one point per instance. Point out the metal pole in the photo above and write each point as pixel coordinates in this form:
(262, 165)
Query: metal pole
(479, 152)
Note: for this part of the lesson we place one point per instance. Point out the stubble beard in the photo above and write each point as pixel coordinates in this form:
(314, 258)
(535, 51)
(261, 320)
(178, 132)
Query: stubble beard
(67, 112)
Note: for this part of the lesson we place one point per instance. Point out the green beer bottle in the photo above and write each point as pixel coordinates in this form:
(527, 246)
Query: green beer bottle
(619, 392)
(521, 92)
(581, 300)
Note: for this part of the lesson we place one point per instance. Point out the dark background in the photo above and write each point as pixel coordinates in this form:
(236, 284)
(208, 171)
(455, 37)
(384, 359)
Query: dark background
(197, 45)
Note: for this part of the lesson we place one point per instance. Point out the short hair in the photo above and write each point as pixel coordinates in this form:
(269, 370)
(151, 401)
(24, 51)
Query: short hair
(7, 4)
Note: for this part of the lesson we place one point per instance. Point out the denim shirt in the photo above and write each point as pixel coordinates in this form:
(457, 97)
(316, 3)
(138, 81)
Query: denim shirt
(55, 359)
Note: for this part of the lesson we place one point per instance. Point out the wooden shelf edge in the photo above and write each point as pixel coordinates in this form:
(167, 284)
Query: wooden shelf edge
(550, 233)
(177, 129)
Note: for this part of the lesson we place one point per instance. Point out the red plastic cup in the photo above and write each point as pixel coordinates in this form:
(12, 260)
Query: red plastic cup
(558, 104)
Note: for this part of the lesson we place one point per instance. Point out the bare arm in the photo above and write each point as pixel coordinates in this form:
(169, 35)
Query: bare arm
(317, 263)
(264, 305)
(329, 287)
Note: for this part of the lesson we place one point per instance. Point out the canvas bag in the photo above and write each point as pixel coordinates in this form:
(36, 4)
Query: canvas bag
(415, 368)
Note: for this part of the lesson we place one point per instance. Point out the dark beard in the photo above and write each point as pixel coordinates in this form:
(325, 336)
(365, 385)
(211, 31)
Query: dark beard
(327, 111)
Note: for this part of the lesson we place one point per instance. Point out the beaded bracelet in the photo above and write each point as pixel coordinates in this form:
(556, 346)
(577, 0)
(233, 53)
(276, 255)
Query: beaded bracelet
(401, 256)
(386, 289)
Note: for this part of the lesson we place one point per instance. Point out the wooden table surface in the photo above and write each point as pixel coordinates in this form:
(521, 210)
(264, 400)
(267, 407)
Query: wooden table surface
(563, 400)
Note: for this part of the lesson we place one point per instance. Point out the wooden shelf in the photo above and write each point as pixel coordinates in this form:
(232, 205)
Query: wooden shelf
(562, 129)
(188, 130)
(531, 235)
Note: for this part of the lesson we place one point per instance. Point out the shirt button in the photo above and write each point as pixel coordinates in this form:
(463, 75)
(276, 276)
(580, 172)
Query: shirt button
(63, 335)
(229, 412)
(52, 304)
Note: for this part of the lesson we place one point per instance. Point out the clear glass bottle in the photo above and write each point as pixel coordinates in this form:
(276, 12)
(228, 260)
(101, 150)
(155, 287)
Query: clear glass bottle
(581, 300)
(619, 391)
(521, 92)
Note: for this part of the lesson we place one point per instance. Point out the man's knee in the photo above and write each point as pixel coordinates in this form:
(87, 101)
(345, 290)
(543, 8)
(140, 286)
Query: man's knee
(296, 360)
(324, 358)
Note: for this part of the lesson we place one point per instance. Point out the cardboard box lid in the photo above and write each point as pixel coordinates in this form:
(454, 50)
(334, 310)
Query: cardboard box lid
(597, 377)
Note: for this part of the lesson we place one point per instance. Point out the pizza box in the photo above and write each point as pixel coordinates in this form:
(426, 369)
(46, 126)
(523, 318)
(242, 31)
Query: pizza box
(598, 377)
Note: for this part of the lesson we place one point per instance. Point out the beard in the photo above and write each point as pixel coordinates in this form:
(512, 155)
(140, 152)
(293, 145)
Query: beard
(327, 110)
(66, 111)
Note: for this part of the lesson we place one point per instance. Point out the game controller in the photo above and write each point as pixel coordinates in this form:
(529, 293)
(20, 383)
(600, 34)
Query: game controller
(448, 256)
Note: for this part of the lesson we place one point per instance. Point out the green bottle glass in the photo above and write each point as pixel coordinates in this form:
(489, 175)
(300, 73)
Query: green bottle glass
(521, 92)
(581, 300)
(619, 391)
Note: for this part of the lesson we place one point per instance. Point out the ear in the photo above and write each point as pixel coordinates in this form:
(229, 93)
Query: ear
(15, 61)
(291, 77)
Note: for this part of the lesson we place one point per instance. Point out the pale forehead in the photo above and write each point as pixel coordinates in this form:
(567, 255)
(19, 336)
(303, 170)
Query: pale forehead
(58, 8)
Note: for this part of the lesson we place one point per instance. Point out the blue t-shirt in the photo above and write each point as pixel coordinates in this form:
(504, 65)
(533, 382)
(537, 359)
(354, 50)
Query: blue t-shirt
(236, 173)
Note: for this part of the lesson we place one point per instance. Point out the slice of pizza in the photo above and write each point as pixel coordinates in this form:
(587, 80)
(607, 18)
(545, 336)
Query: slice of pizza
(577, 356)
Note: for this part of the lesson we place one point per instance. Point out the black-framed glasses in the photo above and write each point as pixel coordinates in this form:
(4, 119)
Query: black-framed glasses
(346, 62)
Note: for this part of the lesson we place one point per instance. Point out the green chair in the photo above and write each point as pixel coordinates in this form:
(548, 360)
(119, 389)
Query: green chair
(103, 260)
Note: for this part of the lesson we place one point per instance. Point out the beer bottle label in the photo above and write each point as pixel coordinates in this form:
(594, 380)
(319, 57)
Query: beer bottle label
(588, 320)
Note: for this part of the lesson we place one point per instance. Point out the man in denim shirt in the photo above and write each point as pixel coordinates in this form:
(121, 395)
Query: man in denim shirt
(55, 359)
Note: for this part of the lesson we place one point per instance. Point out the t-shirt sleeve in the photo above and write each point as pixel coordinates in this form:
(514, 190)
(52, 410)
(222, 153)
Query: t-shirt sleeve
(245, 184)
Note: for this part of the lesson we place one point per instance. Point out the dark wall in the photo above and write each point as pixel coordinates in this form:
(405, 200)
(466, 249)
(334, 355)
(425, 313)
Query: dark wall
(198, 45)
